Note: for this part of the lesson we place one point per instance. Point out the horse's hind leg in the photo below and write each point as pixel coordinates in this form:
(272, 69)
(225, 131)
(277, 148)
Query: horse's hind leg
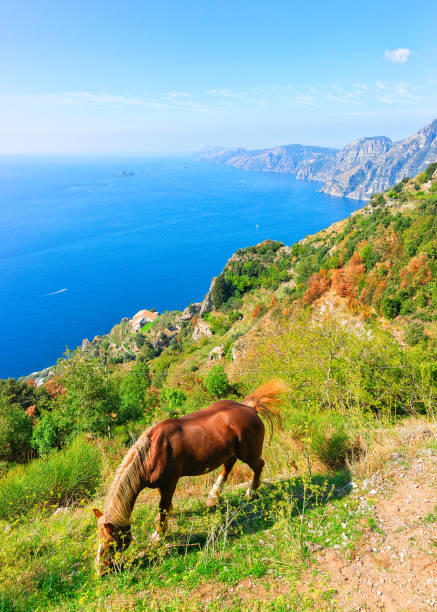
(257, 467)
(222, 478)
(164, 509)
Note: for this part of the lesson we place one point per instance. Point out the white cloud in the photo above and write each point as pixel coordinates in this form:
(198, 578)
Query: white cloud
(223, 92)
(397, 56)
(100, 98)
(174, 95)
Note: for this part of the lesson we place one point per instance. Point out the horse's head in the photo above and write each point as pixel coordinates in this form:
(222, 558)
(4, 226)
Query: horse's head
(112, 540)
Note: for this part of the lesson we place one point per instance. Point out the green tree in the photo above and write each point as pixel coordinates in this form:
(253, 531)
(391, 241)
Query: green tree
(45, 436)
(390, 307)
(133, 393)
(220, 291)
(90, 397)
(15, 432)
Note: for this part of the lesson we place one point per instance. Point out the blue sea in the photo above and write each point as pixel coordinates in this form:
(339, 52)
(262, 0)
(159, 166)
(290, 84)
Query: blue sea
(81, 247)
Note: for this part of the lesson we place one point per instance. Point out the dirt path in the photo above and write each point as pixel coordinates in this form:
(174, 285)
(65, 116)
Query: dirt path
(394, 568)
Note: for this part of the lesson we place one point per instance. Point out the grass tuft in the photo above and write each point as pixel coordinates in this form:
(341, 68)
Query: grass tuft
(61, 479)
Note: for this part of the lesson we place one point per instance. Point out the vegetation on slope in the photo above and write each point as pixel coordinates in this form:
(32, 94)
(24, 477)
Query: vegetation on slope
(347, 317)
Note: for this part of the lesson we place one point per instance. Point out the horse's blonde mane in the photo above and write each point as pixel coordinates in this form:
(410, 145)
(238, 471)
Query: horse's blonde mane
(128, 482)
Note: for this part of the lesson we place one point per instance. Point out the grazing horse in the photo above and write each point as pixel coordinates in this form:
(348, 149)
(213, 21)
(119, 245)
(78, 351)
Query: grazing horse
(186, 446)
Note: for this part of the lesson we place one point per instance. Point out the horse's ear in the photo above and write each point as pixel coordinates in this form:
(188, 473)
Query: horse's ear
(97, 513)
(110, 527)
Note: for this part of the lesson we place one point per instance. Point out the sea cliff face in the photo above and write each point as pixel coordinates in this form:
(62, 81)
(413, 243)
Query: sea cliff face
(362, 168)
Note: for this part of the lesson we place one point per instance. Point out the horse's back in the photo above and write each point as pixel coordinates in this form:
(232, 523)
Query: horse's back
(205, 439)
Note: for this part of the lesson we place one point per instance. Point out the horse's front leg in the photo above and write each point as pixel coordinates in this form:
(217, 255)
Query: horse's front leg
(165, 506)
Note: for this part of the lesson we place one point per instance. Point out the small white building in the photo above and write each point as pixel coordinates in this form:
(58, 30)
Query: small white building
(141, 318)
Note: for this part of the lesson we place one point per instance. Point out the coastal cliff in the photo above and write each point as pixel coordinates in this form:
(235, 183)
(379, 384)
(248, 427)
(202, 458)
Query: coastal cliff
(360, 169)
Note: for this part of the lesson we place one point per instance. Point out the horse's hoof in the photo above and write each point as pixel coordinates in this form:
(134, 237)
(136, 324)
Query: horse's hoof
(211, 503)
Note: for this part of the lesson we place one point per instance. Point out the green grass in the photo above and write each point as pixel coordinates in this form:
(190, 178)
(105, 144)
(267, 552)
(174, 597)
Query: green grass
(47, 563)
(145, 328)
(58, 480)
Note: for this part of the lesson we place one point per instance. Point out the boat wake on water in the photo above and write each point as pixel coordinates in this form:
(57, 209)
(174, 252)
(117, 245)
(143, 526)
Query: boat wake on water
(55, 292)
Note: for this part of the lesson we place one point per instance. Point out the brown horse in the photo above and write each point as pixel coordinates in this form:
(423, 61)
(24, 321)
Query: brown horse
(186, 446)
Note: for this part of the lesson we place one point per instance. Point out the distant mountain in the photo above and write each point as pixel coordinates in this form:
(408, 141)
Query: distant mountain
(362, 168)
(290, 158)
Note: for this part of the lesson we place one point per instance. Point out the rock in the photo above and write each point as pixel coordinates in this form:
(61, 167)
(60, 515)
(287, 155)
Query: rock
(207, 305)
(201, 330)
(216, 354)
(189, 312)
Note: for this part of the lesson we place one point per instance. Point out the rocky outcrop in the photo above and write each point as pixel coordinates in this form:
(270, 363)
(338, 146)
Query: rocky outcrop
(207, 305)
(216, 354)
(362, 168)
(201, 330)
(188, 313)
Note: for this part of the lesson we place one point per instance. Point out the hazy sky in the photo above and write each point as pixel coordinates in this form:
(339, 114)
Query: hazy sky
(140, 76)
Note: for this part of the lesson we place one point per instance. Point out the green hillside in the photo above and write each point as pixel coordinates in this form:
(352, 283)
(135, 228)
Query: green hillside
(346, 317)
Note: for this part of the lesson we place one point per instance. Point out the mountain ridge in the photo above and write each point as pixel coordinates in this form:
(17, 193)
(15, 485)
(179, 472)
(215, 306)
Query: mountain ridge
(360, 169)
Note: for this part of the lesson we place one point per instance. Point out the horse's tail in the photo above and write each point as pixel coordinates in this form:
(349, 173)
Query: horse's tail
(266, 400)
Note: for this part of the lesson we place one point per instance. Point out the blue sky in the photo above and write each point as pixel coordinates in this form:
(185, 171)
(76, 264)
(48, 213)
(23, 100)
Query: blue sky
(172, 76)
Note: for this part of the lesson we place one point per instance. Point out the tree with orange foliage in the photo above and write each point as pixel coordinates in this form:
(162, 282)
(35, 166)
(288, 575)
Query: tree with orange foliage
(318, 283)
(54, 387)
(416, 272)
(345, 280)
(339, 282)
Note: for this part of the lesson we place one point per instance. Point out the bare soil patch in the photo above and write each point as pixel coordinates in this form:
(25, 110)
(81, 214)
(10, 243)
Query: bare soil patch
(394, 567)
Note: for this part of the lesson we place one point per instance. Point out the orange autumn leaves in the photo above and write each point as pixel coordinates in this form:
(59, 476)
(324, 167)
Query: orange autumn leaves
(354, 282)
(343, 280)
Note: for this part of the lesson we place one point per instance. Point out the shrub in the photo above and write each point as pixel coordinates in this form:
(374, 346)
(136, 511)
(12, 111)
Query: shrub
(323, 434)
(15, 432)
(219, 325)
(61, 479)
(172, 401)
(336, 367)
(216, 381)
(45, 435)
(426, 176)
(390, 307)
(133, 393)
(414, 333)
